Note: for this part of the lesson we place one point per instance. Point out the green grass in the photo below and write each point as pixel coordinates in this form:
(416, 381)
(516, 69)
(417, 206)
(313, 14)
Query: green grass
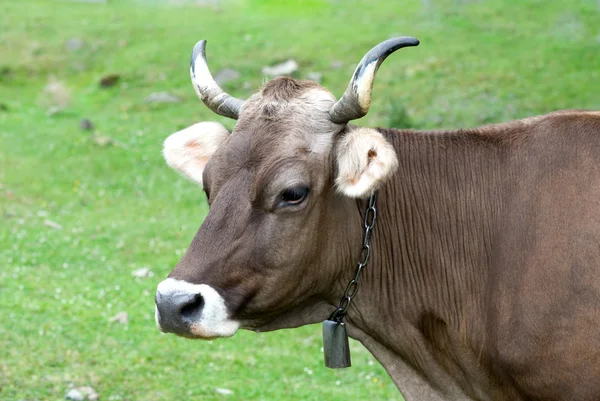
(121, 208)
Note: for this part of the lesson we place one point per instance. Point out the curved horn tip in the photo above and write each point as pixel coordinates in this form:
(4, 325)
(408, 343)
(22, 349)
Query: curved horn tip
(391, 45)
(355, 102)
(207, 89)
(410, 41)
(199, 49)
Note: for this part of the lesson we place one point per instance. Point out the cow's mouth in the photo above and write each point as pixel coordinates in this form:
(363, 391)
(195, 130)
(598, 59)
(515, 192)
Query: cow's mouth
(192, 311)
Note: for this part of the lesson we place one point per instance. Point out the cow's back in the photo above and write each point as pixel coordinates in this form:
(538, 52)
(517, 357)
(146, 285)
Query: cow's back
(544, 320)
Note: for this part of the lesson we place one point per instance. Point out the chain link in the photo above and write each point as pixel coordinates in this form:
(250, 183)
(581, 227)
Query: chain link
(365, 253)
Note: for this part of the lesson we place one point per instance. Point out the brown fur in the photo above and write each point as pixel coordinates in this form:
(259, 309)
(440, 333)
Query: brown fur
(285, 88)
(484, 282)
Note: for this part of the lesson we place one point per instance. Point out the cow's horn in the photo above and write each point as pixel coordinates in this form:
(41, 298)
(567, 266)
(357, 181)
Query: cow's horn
(356, 100)
(207, 89)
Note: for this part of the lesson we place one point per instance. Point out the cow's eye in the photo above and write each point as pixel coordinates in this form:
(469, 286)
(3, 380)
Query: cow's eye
(293, 196)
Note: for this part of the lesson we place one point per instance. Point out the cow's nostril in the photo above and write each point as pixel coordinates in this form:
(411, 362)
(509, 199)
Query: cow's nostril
(193, 309)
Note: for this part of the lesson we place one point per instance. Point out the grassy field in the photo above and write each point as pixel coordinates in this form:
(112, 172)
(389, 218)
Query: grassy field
(77, 218)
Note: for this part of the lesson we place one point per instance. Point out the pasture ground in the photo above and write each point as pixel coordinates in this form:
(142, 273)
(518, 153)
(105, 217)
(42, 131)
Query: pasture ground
(77, 217)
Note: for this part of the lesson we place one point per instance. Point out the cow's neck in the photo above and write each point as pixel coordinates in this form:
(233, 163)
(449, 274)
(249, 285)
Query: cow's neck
(422, 299)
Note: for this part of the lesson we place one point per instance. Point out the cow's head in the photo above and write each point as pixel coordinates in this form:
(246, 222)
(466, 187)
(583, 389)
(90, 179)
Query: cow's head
(283, 224)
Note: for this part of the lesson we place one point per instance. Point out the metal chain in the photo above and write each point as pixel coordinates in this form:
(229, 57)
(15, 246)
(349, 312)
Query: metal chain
(365, 253)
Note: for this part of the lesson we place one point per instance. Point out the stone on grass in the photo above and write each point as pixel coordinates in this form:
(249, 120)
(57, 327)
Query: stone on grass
(336, 64)
(102, 140)
(109, 80)
(315, 76)
(52, 224)
(55, 95)
(74, 395)
(286, 68)
(89, 393)
(74, 44)
(142, 272)
(85, 393)
(86, 124)
(161, 97)
(121, 317)
(224, 391)
(226, 75)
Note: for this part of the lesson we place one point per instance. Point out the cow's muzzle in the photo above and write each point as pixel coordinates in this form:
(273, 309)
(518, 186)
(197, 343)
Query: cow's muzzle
(192, 310)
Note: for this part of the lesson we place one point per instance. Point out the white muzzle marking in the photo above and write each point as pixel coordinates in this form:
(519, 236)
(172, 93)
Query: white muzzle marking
(209, 320)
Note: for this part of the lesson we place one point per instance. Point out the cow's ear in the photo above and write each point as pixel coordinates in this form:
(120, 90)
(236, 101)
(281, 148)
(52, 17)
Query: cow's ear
(365, 160)
(188, 150)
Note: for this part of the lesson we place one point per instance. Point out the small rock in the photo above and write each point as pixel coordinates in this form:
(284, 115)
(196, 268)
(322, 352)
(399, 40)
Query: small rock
(286, 68)
(52, 224)
(315, 76)
(86, 125)
(142, 272)
(226, 75)
(102, 140)
(74, 44)
(109, 80)
(89, 393)
(55, 95)
(161, 97)
(74, 395)
(54, 110)
(121, 317)
(224, 391)
(78, 66)
(336, 64)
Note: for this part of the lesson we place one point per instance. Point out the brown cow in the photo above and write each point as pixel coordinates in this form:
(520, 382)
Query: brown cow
(484, 279)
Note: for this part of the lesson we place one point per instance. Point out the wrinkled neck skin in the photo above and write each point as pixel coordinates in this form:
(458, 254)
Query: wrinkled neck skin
(421, 306)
